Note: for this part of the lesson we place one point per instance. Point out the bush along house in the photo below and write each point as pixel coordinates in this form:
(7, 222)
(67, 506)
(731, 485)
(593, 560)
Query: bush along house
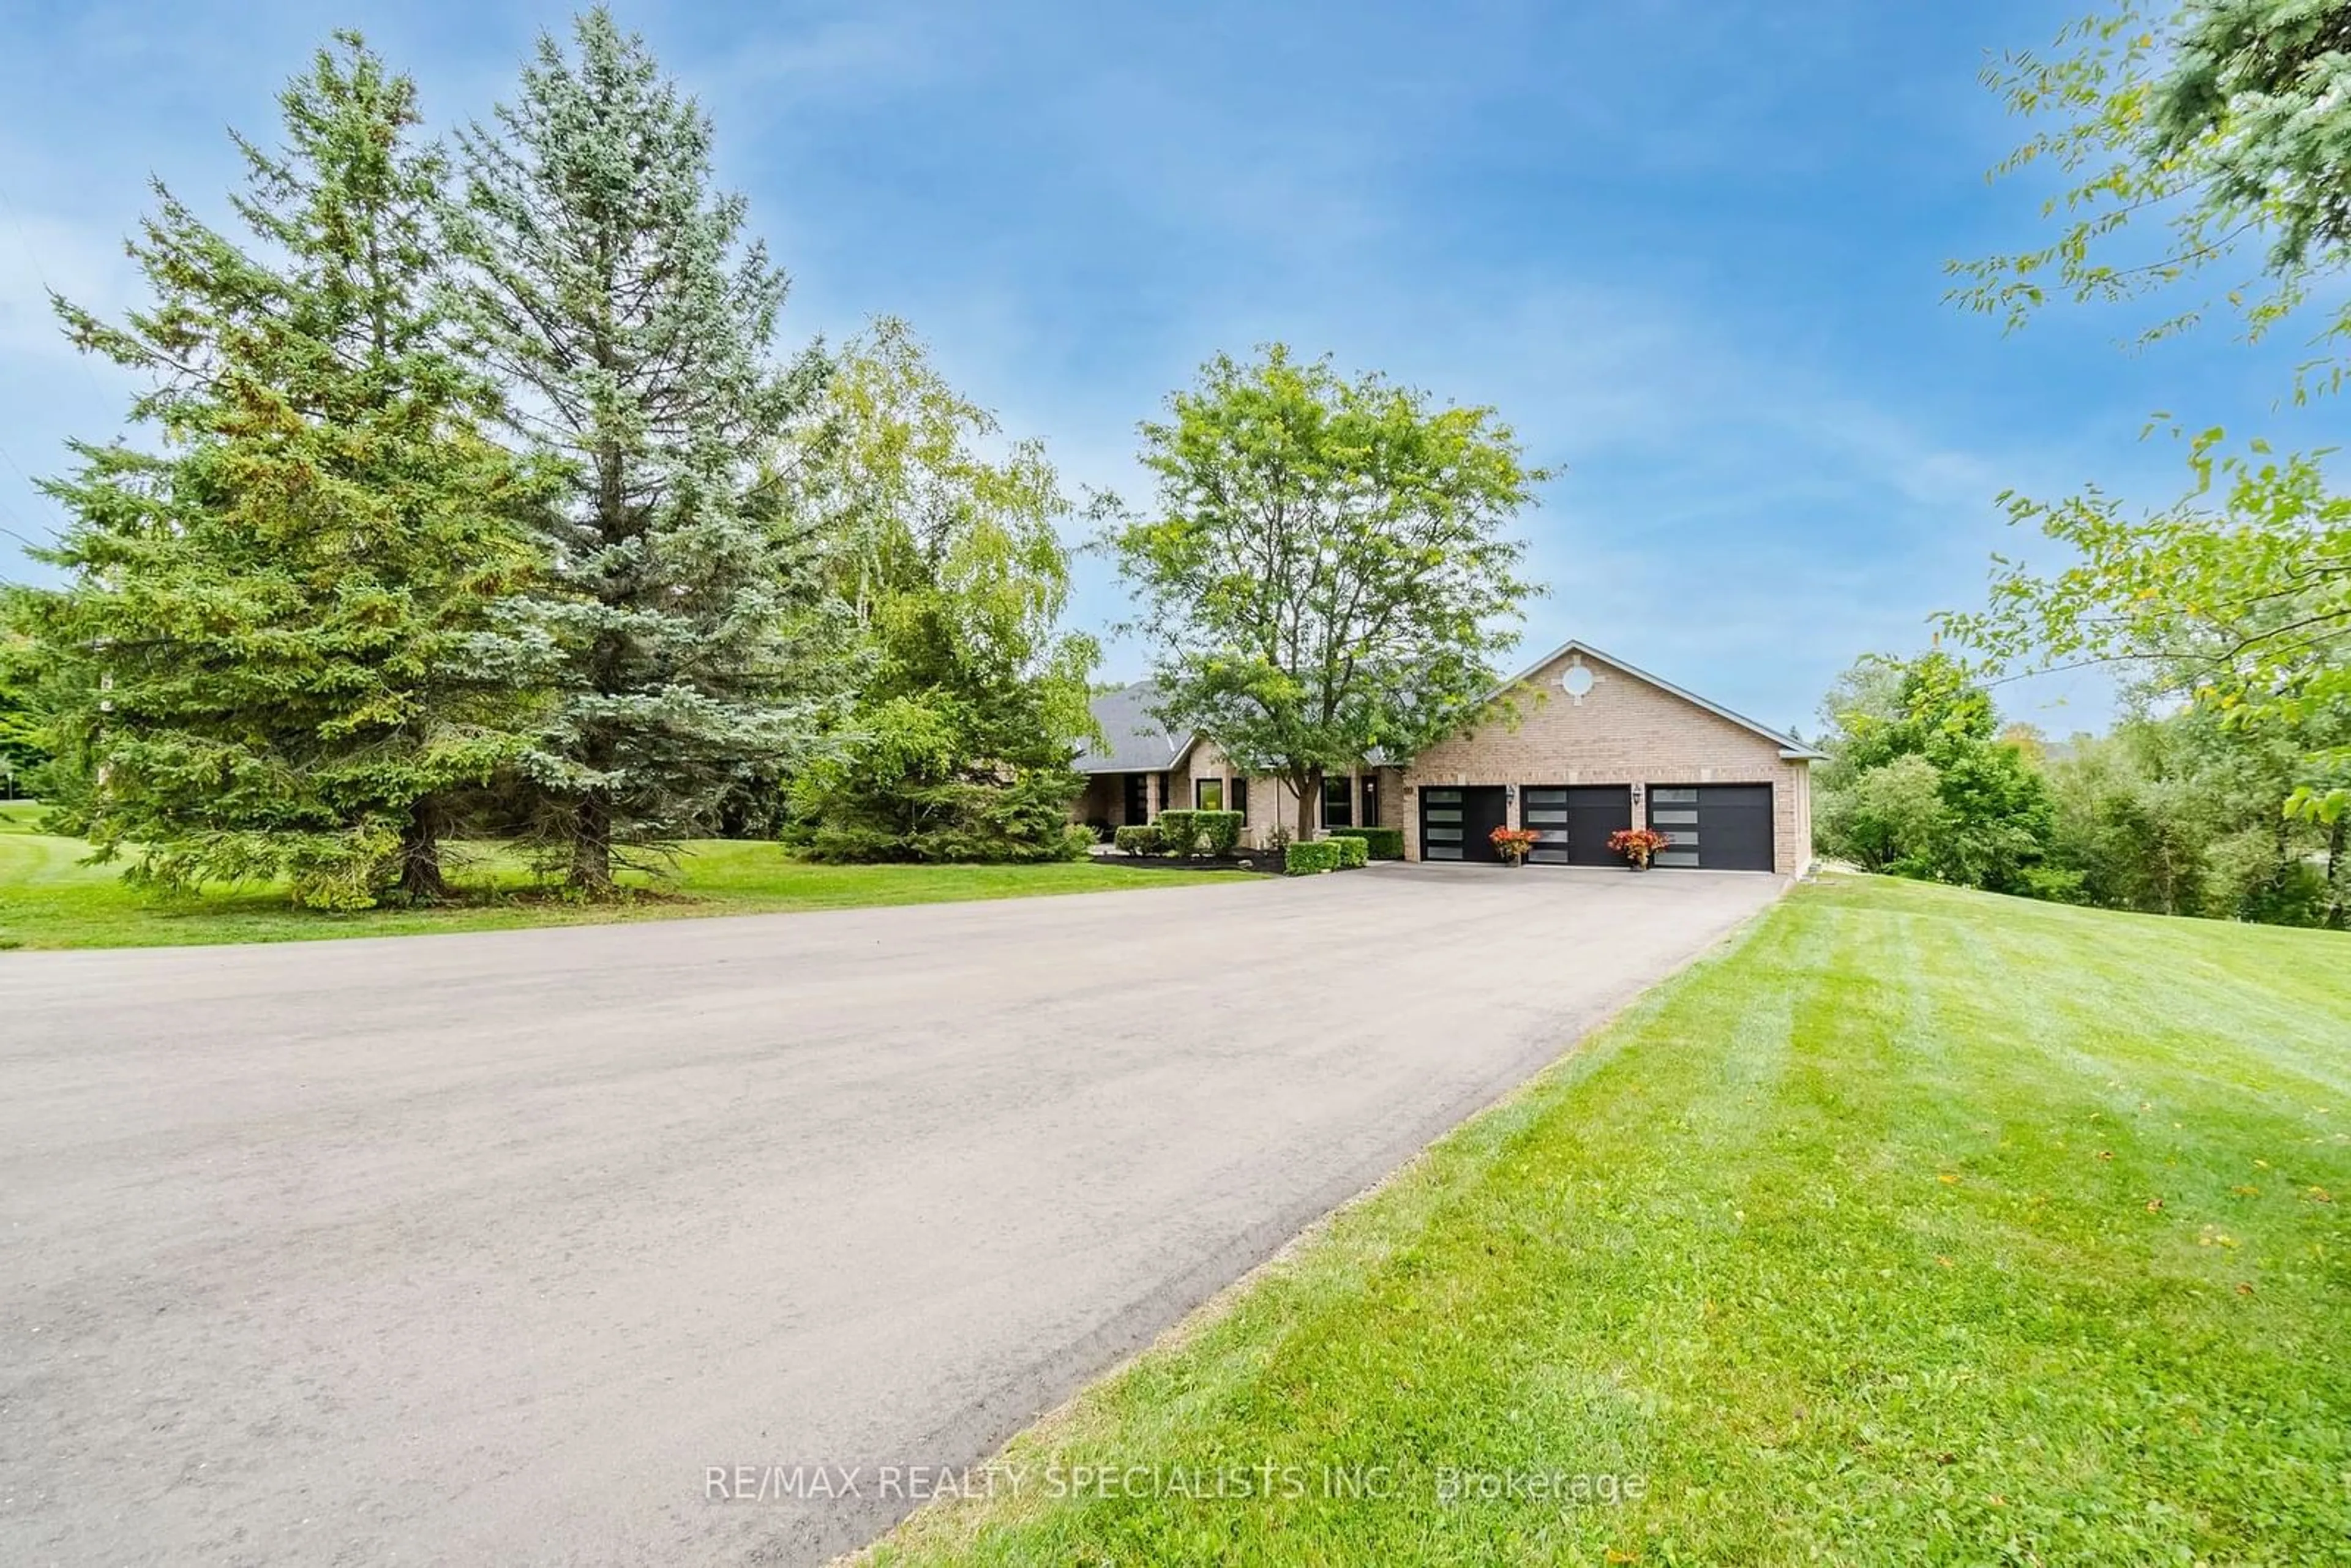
(1574, 748)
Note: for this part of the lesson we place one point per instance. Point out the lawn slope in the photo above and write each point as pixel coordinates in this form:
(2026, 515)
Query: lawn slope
(1922, 1225)
(49, 899)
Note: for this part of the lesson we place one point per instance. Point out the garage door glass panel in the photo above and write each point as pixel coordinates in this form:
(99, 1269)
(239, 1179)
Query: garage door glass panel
(1546, 813)
(1440, 824)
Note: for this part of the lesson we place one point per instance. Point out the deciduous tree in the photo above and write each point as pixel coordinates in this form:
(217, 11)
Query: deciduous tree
(2237, 596)
(1918, 782)
(946, 563)
(1326, 571)
(2224, 125)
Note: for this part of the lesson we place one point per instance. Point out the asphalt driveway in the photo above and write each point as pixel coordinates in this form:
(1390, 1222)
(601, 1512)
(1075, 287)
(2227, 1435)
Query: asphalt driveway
(490, 1248)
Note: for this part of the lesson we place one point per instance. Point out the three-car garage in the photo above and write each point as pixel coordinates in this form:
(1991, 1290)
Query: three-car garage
(1583, 746)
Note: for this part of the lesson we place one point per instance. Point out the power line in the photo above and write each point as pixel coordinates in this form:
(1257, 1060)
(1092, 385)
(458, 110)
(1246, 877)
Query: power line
(16, 222)
(55, 523)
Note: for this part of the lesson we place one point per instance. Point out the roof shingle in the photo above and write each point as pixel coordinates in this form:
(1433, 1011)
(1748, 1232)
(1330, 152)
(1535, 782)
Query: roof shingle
(1135, 742)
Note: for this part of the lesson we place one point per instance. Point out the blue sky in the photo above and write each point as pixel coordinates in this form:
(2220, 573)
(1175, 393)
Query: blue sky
(1692, 250)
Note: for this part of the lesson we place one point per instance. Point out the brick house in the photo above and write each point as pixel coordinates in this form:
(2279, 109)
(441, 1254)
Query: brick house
(1575, 747)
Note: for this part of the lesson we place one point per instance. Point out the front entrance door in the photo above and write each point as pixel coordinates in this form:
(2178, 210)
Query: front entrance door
(1138, 799)
(1456, 822)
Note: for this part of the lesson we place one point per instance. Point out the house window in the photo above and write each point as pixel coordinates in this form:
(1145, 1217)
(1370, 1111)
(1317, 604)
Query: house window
(1207, 794)
(1240, 798)
(1338, 803)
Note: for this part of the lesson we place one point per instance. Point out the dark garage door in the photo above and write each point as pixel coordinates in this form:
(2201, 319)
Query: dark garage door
(1455, 823)
(1572, 822)
(1716, 827)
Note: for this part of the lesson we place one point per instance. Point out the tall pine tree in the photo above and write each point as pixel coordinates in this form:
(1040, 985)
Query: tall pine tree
(280, 613)
(616, 294)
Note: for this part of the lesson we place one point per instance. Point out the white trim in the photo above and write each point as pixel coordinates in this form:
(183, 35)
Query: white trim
(1791, 749)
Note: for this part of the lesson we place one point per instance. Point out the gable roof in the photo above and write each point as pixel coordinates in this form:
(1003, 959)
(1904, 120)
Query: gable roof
(1791, 749)
(1136, 742)
(1133, 740)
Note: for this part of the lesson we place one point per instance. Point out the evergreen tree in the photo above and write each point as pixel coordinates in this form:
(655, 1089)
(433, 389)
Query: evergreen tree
(971, 701)
(23, 743)
(616, 295)
(278, 615)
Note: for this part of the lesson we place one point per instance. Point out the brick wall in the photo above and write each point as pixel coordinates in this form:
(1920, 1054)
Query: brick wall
(1270, 803)
(1624, 731)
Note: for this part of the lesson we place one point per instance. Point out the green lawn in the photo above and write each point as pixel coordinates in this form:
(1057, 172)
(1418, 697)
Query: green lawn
(48, 899)
(1923, 1226)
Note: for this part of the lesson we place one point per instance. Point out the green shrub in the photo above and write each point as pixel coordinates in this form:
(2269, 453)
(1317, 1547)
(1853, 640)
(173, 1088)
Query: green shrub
(1307, 856)
(1219, 831)
(1353, 851)
(1179, 832)
(2054, 884)
(1142, 838)
(1386, 843)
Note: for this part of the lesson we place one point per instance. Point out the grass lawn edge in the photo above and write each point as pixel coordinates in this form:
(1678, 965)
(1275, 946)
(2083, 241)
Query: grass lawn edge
(948, 1525)
(52, 900)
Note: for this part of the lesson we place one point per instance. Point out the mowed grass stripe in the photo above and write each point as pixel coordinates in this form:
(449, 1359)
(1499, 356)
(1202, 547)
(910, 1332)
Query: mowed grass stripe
(1923, 1226)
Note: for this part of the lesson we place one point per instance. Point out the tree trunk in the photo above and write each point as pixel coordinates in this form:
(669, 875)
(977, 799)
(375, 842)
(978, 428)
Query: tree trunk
(592, 845)
(421, 880)
(2334, 872)
(1310, 791)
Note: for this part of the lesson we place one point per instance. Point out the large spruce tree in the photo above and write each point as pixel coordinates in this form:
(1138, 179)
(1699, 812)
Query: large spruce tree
(617, 295)
(279, 611)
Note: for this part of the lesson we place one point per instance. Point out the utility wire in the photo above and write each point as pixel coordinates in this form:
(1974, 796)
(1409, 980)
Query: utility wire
(23, 243)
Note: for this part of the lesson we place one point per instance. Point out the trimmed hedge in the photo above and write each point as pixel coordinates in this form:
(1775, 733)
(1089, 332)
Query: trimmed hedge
(1179, 832)
(1188, 833)
(1309, 856)
(1386, 843)
(1141, 839)
(1354, 853)
(1219, 831)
